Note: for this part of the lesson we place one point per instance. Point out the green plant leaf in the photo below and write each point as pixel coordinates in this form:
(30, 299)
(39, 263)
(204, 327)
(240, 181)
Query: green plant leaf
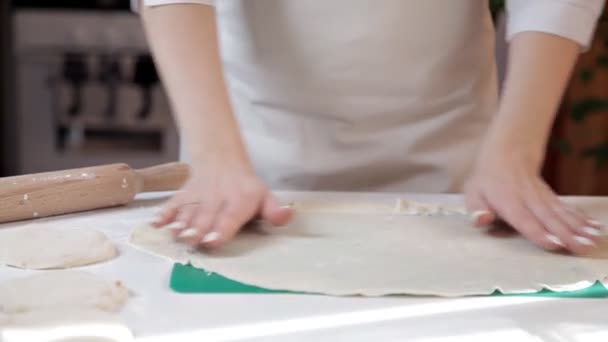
(602, 61)
(598, 153)
(561, 145)
(496, 6)
(586, 76)
(585, 107)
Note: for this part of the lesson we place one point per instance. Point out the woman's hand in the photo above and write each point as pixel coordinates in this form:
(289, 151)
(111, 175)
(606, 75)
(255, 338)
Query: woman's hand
(506, 181)
(223, 192)
(217, 201)
(506, 184)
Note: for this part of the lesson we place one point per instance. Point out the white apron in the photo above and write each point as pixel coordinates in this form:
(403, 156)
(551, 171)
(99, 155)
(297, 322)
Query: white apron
(360, 95)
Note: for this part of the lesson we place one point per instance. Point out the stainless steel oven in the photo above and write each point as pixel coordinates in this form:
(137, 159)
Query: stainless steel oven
(86, 88)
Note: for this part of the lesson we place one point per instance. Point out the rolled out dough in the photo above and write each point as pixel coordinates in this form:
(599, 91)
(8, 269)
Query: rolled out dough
(48, 247)
(383, 254)
(61, 289)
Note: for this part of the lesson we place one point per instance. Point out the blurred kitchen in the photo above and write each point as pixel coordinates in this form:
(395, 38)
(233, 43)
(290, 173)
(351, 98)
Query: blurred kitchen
(79, 88)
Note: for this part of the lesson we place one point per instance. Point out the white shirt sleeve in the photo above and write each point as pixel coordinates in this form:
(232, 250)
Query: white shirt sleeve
(572, 19)
(151, 3)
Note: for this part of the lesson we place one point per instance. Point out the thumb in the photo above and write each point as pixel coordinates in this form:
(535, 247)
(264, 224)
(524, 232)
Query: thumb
(275, 213)
(479, 211)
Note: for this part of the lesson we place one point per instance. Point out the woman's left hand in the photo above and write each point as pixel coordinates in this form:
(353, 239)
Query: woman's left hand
(506, 184)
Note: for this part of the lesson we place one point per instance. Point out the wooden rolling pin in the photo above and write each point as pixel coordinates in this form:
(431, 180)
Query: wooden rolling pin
(69, 191)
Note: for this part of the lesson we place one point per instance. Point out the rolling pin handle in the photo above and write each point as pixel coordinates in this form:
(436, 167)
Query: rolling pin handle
(166, 177)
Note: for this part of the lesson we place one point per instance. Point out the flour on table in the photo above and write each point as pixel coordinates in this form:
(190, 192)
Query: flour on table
(366, 254)
(61, 289)
(401, 207)
(86, 325)
(43, 246)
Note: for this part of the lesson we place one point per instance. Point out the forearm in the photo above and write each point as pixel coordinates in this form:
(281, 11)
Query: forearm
(184, 41)
(539, 68)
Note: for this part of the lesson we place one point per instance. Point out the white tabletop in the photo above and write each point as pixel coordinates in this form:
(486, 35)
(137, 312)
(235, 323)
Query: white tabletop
(155, 313)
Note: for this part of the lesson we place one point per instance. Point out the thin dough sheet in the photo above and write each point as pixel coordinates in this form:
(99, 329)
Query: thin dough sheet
(384, 254)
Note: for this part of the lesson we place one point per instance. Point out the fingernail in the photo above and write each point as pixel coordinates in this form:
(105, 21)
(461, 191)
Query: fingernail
(591, 231)
(478, 213)
(554, 239)
(584, 241)
(287, 206)
(210, 237)
(595, 223)
(188, 233)
(155, 220)
(176, 225)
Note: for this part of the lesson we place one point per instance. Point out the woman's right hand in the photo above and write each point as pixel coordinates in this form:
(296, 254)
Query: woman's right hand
(217, 201)
(223, 192)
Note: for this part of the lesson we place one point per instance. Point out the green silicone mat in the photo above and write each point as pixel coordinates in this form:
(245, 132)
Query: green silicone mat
(188, 279)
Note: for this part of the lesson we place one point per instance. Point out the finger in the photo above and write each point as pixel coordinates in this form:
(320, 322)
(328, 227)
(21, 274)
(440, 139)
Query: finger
(585, 233)
(169, 211)
(274, 213)
(594, 223)
(578, 223)
(582, 219)
(201, 222)
(184, 218)
(513, 211)
(542, 202)
(559, 230)
(228, 223)
(478, 209)
(165, 216)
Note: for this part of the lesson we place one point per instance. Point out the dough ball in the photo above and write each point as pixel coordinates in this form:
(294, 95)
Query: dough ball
(48, 247)
(61, 289)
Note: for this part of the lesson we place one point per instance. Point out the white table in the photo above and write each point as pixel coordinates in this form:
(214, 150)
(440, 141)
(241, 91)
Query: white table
(156, 313)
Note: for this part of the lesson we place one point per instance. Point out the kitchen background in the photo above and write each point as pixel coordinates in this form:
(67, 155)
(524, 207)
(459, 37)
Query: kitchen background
(78, 87)
(84, 89)
(4, 85)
